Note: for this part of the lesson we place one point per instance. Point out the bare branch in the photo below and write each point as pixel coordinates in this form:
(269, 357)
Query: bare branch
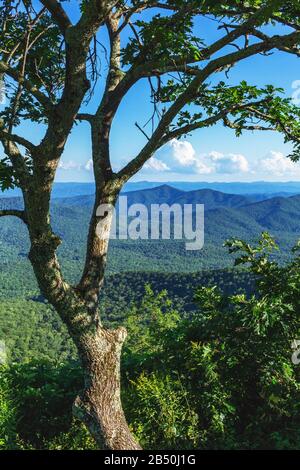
(15, 213)
(85, 117)
(142, 131)
(6, 136)
(289, 49)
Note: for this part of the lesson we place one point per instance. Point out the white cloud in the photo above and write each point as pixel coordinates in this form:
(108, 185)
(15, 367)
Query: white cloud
(89, 165)
(229, 163)
(181, 157)
(157, 165)
(277, 164)
(69, 165)
(183, 152)
(203, 169)
(296, 93)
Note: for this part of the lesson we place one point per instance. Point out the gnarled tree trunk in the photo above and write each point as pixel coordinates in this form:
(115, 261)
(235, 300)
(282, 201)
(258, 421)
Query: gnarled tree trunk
(99, 405)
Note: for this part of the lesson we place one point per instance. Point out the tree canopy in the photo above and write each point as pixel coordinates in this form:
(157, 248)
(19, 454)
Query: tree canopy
(51, 56)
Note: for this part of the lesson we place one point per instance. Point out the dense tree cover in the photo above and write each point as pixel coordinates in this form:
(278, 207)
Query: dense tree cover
(220, 376)
(70, 217)
(32, 329)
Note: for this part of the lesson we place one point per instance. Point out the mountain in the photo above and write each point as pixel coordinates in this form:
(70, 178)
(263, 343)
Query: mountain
(163, 194)
(212, 199)
(166, 194)
(265, 188)
(226, 216)
(260, 190)
(277, 214)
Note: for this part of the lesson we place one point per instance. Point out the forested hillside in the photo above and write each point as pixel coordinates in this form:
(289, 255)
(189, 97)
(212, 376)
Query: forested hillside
(157, 294)
(225, 216)
(219, 376)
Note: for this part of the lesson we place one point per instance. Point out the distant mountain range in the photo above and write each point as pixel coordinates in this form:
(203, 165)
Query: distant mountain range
(166, 194)
(226, 215)
(262, 188)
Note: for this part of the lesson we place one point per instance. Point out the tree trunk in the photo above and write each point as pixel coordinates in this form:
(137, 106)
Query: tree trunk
(99, 406)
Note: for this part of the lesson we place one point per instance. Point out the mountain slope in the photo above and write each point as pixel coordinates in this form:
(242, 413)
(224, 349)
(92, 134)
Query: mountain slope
(225, 217)
(277, 214)
(165, 194)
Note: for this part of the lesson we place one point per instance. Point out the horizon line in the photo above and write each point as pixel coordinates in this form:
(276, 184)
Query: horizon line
(189, 182)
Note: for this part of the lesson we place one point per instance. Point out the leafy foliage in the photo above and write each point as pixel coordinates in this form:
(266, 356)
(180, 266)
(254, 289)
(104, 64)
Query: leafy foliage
(218, 377)
(8, 420)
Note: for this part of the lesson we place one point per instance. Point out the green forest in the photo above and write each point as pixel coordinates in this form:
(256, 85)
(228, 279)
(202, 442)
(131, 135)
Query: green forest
(207, 364)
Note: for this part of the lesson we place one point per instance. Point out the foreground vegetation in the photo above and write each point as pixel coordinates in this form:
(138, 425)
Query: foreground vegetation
(218, 376)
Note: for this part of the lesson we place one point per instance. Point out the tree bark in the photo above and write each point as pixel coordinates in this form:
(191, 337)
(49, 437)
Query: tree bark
(99, 406)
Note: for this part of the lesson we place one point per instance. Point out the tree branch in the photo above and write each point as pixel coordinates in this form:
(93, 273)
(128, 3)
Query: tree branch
(254, 127)
(15, 213)
(191, 92)
(85, 117)
(5, 136)
(222, 115)
(95, 14)
(58, 14)
(21, 170)
(32, 89)
(176, 64)
(76, 83)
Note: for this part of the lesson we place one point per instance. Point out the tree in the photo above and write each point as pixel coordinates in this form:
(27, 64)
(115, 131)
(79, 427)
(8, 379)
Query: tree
(49, 63)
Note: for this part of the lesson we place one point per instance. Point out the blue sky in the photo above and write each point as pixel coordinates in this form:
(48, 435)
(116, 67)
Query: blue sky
(213, 154)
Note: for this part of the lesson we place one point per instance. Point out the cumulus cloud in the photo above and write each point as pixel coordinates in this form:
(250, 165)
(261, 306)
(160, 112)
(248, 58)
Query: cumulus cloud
(296, 93)
(183, 152)
(156, 164)
(69, 165)
(180, 157)
(277, 164)
(229, 163)
(203, 169)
